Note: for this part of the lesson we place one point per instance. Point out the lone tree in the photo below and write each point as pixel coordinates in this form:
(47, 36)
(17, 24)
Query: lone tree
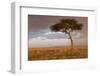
(67, 26)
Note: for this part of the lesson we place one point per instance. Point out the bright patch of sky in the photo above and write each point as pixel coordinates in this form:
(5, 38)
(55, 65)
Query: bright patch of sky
(40, 42)
(49, 33)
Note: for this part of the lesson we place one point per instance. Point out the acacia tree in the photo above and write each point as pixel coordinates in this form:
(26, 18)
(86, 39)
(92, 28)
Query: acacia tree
(67, 26)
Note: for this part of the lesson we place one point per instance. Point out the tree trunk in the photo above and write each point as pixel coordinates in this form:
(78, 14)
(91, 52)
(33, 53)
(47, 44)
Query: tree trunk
(71, 40)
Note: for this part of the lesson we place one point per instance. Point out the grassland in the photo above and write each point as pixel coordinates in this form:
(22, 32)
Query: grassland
(56, 53)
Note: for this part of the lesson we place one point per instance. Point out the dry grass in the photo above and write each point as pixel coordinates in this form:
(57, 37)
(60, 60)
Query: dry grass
(56, 53)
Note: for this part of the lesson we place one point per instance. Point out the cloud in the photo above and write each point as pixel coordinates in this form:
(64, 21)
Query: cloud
(55, 35)
(44, 42)
(50, 33)
(76, 35)
(39, 42)
(40, 38)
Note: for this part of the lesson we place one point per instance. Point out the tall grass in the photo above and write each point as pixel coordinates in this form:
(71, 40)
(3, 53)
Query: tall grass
(56, 53)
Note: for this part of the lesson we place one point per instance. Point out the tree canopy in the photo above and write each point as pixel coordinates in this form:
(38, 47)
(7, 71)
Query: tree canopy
(66, 26)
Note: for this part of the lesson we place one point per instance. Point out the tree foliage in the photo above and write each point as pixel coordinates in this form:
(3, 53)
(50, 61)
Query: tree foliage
(66, 26)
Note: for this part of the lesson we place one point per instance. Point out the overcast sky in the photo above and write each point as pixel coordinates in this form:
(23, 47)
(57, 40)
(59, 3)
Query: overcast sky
(40, 35)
